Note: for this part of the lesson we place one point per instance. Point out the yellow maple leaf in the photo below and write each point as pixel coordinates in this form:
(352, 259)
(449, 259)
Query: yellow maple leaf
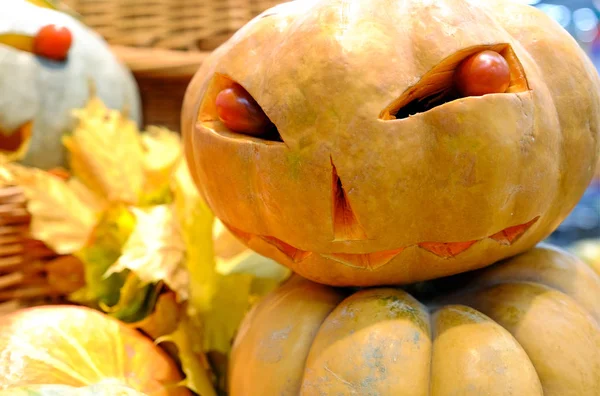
(193, 360)
(219, 300)
(196, 220)
(155, 250)
(106, 153)
(162, 153)
(59, 217)
(91, 200)
(164, 319)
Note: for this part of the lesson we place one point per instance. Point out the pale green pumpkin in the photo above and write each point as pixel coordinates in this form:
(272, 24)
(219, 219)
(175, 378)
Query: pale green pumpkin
(41, 93)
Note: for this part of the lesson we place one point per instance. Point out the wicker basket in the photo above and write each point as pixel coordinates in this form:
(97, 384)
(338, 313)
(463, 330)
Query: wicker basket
(164, 42)
(30, 272)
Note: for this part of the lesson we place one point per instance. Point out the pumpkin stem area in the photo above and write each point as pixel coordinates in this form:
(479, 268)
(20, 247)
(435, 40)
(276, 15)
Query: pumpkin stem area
(438, 86)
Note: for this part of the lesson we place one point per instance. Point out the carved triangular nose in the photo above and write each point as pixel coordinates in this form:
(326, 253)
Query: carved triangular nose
(346, 226)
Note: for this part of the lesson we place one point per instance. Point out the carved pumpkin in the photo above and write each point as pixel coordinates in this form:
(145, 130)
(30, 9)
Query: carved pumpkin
(528, 326)
(48, 61)
(331, 136)
(68, 346)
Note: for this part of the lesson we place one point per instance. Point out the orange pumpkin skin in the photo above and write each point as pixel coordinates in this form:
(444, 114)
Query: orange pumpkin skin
(78, 347)
(528, 326)
(352, 196)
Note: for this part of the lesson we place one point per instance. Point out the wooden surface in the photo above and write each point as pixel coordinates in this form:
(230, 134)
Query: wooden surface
(160, 63)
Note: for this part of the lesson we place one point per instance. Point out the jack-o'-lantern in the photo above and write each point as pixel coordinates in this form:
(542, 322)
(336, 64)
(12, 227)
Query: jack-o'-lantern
(528, 326)
(48, 63)
(378, 142)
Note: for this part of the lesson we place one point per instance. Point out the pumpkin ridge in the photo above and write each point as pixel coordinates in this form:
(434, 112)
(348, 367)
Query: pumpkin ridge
(80, 351)
(513, 337)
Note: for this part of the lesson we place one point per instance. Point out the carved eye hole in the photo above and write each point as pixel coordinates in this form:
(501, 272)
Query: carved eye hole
(485, 72)
(471, 72)
(231, 105)
(238, 110)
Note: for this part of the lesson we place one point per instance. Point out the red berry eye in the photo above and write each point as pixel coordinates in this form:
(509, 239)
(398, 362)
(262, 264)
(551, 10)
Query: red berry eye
(53, 42)
(238, 110)
(486, 72)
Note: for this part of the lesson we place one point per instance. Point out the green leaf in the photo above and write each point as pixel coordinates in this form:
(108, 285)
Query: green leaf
(155, 250)
(108, 239)
(136, 300)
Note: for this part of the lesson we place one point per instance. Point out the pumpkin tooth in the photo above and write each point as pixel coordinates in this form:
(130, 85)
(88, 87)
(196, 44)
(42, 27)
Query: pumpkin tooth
(446, 250)
(370, 261)
(296, 255)
(345, 224)
(243, 236)
(509, 235)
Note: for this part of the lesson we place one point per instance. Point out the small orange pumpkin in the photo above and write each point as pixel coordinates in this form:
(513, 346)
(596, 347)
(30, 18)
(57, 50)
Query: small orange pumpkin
(331, 136)
(529, 326)
(70, 346)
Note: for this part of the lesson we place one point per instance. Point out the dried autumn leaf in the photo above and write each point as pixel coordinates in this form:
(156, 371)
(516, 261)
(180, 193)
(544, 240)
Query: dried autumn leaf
(193, 361)
(219, 301)
(162, 153)
(155, 250)
(93, 201)
(196, 221)
(106, 153)
(164, 319)
(65, 274)
(6, 177)
(59, 217)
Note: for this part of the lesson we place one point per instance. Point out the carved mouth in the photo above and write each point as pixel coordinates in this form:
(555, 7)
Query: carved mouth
(371, 261)
(14, 144)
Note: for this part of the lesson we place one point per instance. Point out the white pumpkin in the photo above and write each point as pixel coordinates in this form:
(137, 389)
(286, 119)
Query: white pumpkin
(37, 95)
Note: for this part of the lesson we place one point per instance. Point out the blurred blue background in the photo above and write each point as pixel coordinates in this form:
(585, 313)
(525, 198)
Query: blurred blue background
(581, 19)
